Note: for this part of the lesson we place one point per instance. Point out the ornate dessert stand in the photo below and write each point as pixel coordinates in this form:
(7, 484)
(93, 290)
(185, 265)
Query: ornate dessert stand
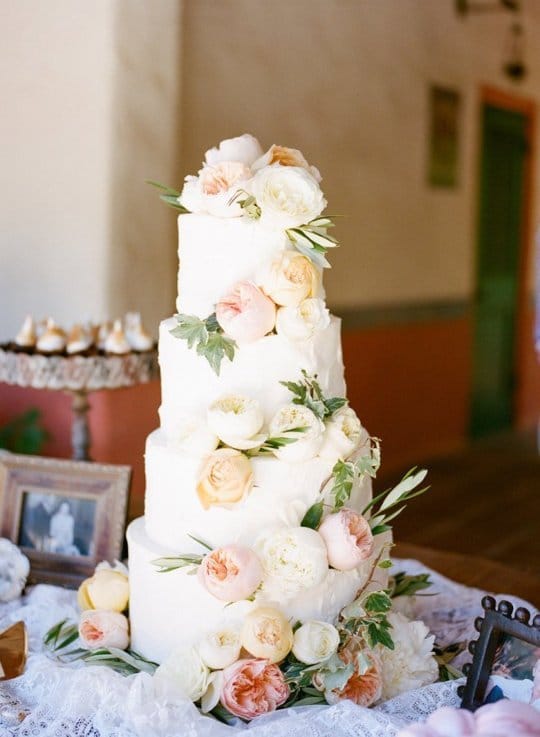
(78, 376)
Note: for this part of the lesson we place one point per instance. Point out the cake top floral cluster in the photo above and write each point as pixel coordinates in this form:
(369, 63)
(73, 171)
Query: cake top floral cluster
(278, 188)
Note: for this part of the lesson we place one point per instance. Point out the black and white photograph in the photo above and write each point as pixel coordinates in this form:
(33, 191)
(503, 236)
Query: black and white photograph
(54, 523)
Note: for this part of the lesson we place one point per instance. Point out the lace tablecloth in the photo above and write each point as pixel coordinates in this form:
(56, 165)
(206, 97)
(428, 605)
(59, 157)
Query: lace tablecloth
(91, 701)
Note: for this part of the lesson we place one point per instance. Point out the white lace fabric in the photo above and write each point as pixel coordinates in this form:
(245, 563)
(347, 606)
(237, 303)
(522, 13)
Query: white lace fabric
(91, 701)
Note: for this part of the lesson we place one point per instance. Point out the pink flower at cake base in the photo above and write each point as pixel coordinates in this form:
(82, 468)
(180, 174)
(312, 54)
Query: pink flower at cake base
(246, 313)
(253, 687)
(348, 539)
(364, 686)
(231, 573)
(503, 719)
(99, 628)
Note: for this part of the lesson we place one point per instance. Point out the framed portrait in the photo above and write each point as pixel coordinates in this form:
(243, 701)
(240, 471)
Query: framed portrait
(66, 516)
(444, 118)
(506, 656)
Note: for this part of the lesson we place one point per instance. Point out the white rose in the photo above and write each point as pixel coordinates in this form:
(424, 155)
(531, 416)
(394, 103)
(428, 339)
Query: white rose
(307, 443)
(246, 149)
(294, 559)
(315, 641)
(343, 435)
(290, 278)
(303, 321)
(186, 672)
(288, 196)
(213, 693)
(410, 664)
(221, 648)
(237, 420)
(14, 570)
(193, 436)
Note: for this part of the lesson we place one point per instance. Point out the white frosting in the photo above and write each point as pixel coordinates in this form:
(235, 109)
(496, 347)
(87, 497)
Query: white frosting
(215, 254)
(281, 494)
(189, 385)
(172, 610)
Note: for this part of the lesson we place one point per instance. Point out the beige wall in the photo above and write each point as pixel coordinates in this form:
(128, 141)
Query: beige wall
(90, 95)
(347, 82)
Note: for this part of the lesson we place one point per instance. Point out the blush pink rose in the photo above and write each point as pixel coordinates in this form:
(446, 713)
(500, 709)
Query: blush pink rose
(253, 687)
(221, 177)
(502, 719)
(231, 573)
(348, 539)
(99, 628)
(246, 313)
(364, 688)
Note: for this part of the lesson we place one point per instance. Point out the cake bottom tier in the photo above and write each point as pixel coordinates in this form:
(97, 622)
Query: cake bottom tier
(170, 611)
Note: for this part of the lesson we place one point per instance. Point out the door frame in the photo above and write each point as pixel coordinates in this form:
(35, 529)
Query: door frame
(504, 100)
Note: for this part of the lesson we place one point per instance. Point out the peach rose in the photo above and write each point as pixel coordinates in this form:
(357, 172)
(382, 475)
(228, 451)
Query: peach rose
(231, 573)
(246, 313)
(221, 177)
(267, 634)
(107, 589)
(290, 279)
(364, 687)
(100, 628)
(253, 687)
(225, 478)
(286, 157)
(348, 539)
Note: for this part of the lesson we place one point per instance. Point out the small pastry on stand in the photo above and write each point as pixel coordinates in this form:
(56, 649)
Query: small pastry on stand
(27, 337)
(79, 339)
(53, 339)
(116, 341)
(103, 332)
(137, 336)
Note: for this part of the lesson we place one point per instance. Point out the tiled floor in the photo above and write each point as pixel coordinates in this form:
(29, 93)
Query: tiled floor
(484, 501)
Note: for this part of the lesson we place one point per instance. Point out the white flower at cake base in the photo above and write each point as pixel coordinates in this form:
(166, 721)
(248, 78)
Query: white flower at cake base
(231, 573)
(237, 421)
(245, 149)
(411, 663)
(348, 539)
(246, 314)
(14, 570)
(288, 196)
(343, 435)
(267, 634)
(252, 687)
(362, 676)
(290, 278)
(99, 628)
(301, 322)
(225, 478)
(186, 674)
(221, 648)
(192, 435)
(294, 559)
(107, 589)
(286, 157)
(315, 641)
(307, 443)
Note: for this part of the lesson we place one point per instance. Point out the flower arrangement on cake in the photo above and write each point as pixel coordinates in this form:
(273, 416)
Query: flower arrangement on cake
(259, 576)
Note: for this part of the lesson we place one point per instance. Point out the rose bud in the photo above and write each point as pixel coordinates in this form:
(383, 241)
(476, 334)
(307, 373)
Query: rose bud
(99, 629)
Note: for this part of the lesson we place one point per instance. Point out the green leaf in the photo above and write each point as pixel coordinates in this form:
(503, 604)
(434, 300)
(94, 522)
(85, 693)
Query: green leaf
(385, 564)
(334, 404)
(379, 635)
(402, 584)
(191, 329)
(378, 602)
(313, 516)
(343, 474)
(201, 542)
(173, 562)
(216, 348)
(168, 195)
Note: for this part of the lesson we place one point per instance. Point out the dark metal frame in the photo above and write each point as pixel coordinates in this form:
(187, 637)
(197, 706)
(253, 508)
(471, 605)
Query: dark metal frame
(500, 619)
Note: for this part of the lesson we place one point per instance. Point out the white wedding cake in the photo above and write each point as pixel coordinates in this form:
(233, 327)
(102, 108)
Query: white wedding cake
(260, 544)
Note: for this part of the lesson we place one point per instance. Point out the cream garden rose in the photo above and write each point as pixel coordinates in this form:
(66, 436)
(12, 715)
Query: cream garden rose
(343, 435)
(237, 421)
(245, 149)
(304, 320)
(107, 589)
(307, 443)
(288, 196)
(290, 278)
(267, 634)
(186, 672)
(225, 478)
(294, 559)
(221, 647)
(286, 157)
(315, 641)
(98, 628)
(246, 314)
(231, 573)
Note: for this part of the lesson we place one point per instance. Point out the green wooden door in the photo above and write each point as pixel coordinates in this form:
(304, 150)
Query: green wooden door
(504, 150)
